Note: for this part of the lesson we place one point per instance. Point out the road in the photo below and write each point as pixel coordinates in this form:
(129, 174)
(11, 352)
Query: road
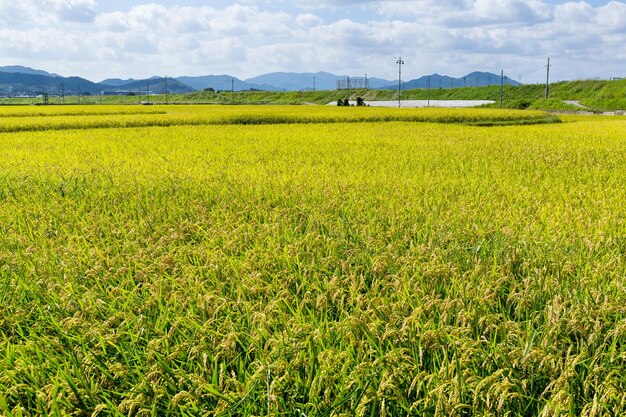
(425, 103)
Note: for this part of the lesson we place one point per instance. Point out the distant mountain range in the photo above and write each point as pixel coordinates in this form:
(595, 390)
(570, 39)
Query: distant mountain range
(474, 79)
(26, 70)
(19, 83)
(291, 81)
(116, 82)
(224, 82)
(19, 80)
(156, 85)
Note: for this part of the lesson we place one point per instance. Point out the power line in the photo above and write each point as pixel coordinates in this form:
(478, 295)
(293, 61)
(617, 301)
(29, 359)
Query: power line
(501, 86)
(400, 62)
(548, 79)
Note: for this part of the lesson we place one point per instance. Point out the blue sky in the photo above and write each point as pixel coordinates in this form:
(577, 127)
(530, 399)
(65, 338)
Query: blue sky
(99, 39)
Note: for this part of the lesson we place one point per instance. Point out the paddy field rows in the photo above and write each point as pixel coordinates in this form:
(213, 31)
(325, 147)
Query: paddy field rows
(29, 118)
(311, 261)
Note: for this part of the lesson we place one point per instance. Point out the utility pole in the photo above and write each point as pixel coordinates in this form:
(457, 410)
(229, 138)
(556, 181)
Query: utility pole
(148, 91)
(348, 88)
(428, 94)
(166, 98)
(78, 96)
(232, 90)
(501, 84)
(367, 82)
(548, 79)
(313, 83)
(400, 62)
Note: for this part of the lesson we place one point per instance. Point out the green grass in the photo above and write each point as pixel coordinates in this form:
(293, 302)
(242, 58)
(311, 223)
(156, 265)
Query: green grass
(388, 268)
(597, 95)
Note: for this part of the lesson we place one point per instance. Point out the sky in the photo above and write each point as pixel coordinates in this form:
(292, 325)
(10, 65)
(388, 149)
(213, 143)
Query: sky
(99, 39)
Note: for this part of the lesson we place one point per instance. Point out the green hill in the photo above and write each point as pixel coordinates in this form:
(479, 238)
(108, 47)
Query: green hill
(594, 94)
(597, 95)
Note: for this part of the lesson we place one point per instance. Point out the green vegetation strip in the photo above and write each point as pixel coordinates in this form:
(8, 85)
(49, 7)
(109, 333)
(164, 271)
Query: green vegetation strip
(597, 95)
(127, 117)
(84, 111)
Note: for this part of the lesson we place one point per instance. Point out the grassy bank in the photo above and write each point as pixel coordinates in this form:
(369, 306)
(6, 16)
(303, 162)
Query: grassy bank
(598, 95)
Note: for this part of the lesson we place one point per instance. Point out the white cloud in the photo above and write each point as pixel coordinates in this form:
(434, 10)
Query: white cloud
(225, 50)
(136, 42)
(446, 36)
(72, 10)
(50, 44)
(573, 14)
(308, 20)
(455, 13)
(612, 17)
(113, 22)
(15, 12)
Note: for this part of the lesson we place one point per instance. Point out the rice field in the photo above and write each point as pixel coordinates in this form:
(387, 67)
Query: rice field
(311, 261)
(21, 119)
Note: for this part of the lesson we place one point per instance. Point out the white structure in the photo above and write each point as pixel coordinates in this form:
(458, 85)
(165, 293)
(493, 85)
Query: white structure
(425, 103)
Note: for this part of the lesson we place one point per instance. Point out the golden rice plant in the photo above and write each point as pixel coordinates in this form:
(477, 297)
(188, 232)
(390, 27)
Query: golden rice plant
(370, 269)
